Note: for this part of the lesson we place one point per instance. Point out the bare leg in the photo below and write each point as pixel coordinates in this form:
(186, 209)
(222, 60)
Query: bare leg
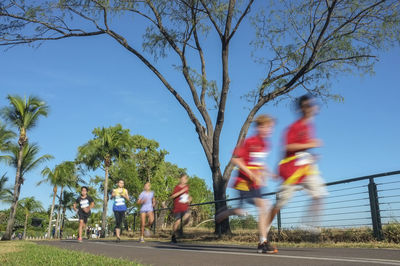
(81, 225)
(150, 216)
(142, 224)
(229, 212)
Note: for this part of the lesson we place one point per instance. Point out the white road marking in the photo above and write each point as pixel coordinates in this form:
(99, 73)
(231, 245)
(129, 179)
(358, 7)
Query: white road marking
(341, 259)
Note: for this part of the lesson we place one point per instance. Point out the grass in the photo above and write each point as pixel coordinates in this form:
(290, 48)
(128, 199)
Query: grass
(29, 253)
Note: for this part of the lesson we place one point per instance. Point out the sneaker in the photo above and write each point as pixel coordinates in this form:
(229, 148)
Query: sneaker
(266, 248)
(80, 239)
(173, 239)
(146, 232)
(118, 240)
(141, 240)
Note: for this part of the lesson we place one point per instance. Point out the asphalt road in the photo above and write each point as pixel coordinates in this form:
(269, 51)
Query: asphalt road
(162, 253)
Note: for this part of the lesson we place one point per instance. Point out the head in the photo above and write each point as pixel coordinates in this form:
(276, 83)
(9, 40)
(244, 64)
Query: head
(183, 179)
(307, 106)
(84, 190)
(147, 186)
(264, 124)
(121, 183)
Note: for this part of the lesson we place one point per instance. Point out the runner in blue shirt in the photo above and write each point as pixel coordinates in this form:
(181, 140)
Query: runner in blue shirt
(120, 196)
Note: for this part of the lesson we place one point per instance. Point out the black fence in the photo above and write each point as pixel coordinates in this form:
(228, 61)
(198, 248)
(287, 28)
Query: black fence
(368, 201)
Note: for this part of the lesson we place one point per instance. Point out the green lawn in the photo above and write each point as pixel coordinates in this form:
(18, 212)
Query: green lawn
(28, 253)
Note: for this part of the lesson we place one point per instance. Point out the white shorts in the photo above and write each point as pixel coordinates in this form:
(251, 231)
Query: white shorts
(313, 184)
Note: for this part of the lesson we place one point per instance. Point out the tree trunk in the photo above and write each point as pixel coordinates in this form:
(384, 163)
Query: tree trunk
(219, 194)
(58, 214)
(63, 218)
(51, 211)
(17, 190)
(25, 226)
(105, 202)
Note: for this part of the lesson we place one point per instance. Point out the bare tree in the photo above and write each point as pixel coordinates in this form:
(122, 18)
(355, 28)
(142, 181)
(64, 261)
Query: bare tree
(303, 43)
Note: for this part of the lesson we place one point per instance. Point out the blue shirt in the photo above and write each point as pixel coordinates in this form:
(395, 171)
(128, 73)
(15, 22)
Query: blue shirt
(119, 201)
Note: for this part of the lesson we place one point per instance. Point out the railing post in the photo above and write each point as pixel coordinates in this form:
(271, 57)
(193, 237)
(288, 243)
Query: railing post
(154, 222)
(375, 212)
(134, 222)
(278, 219)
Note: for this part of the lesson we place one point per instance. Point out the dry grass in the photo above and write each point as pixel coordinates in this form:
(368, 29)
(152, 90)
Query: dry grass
(10, 246)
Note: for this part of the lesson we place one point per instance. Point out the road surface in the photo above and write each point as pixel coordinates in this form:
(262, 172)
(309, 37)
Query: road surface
(162, 253)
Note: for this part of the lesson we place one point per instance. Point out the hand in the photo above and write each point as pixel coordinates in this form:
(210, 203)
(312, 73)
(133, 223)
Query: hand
(316, 143)
(87, 209)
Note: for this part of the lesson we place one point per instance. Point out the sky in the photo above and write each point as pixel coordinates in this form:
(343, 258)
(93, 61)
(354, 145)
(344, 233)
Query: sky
(93, 82)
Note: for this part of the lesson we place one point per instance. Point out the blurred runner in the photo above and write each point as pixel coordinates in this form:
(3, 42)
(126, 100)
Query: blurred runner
(120, 195)
(298, 168)
(181, 198)
(85, 203)
(250, 158)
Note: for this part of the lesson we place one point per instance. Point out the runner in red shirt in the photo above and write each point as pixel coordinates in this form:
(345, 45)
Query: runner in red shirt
(181, 198)
(250, 157)
(298, 168)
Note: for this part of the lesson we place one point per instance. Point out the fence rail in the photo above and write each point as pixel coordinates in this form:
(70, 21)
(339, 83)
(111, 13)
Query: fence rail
(353, 202)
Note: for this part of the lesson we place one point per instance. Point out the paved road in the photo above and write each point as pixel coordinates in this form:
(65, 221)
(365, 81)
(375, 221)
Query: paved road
(161, 253)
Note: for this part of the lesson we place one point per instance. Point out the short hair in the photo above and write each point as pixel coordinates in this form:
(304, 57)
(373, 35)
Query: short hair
(263, 119)
(84, 187)
(182, 175)
(302, 99)
(121, 180)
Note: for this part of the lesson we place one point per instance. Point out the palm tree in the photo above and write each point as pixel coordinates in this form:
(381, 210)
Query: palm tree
(29, 205)
(68, 177)
(107, 146)
(53, 178)
(5, 193)
(5, 137)
(28, 161)
(23, 114)
(67, 201)
(5, 141)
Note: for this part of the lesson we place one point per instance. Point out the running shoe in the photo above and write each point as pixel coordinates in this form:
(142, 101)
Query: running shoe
(141, 240)
(80, 239)
(266, 248)
(146, 232)
(118, 240)
(173, 239)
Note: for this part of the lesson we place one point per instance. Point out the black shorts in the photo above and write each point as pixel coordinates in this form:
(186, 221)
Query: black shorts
(83, 216)
(249, 196)
(179, 215)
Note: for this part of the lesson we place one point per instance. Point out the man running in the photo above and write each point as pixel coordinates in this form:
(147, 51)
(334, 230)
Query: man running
(120, 196)
(181, 198)
(250, 157)
(85, 204)
(298, 168)
(146, 198)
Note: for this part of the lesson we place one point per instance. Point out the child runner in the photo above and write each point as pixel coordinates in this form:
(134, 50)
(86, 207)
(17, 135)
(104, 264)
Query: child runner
(146, 198)
(85, 204)
(298, 168)
(181, 198)
(250, 157)
(120, 196)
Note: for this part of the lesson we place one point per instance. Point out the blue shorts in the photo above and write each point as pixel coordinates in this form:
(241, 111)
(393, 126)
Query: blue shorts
(249, 196)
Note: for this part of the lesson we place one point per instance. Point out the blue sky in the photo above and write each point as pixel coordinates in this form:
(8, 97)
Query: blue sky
(93, 82)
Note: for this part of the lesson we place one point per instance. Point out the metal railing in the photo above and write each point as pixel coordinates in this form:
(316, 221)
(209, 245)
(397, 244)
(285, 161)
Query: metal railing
(368, 201)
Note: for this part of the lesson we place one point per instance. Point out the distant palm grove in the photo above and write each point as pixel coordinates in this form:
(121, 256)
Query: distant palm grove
(112, 154)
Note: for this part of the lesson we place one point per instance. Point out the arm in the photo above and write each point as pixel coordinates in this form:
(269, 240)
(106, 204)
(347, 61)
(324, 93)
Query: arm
(313, 143)
(154, 202)
(75, 209)
(126, 195)
(177, 194)
(113, 193)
